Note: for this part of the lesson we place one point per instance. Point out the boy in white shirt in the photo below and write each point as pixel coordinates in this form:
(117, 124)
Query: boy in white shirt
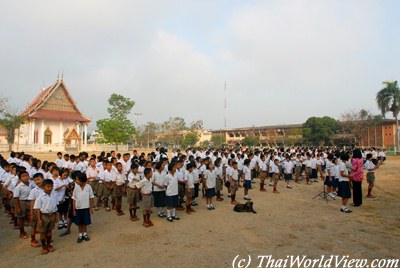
(288, 171)
(92, 174)
(60, 161)
(146, 189)
(370, 167)
(247, 178)
(21, 201)
(46, 207)
(106, 179)
(263, 172)
(133, 192)
(119, 188)
(33, 195)
(275, 174)
(234, 181)
(189, 181)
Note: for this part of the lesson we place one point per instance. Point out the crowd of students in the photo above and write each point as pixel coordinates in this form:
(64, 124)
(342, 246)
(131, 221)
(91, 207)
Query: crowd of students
(60, 193)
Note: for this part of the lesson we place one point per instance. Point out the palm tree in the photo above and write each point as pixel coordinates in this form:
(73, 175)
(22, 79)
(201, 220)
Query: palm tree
(388, 100)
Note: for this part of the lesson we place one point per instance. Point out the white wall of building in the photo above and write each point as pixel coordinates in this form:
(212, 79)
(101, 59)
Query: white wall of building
(26, 135)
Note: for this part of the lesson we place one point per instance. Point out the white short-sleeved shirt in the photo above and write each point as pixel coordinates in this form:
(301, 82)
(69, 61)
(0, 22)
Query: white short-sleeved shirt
(275, 169)
(240, 163)
(92, 173)
(11, 182)
(342, 168)
(307, 162)
(60, 162)
(263, 166)
(46, 203)
(22, 191)
(369, 165)
(180, 175)
(145, 186)
(32, 172)
(247, 173)
(120, 178)
(141, 172)
(313, 163)
(35, 193)
(82, 196)
(68, 165)
(60, 193)
(171, 181)
(288, 167)
(158, 178)
(234, 173)
(107, 176)
(133, 179)
(218, 172)
(210, 177)
(227, 171)
(190, 179)
(329, 166)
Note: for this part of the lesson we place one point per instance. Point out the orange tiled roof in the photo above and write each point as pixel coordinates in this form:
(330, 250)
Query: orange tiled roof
(59, 116)
(34, 109)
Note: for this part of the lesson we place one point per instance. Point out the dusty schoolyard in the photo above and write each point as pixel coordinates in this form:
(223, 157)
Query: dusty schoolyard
(290, 223)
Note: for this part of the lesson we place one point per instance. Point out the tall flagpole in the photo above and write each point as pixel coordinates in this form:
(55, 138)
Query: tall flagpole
(225, 107)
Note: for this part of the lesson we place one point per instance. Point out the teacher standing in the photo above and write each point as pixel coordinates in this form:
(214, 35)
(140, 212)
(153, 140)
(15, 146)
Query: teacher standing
(358, 174)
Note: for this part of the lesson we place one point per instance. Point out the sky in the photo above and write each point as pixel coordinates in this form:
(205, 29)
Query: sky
(282, 61)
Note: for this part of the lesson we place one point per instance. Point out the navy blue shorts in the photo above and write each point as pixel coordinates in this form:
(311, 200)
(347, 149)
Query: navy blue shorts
(247, 184)
(228, 185)
(210, 192)
(287, 177)
(335, 182)
(314, 174)
(172, 201)
(329, 183)
(82, 217)
(270, 175)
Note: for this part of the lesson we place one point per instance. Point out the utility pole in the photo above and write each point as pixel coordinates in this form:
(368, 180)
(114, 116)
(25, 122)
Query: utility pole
(225, 108)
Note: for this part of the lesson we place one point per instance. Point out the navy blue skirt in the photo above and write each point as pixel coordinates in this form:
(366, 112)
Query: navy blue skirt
(172, 201)
(344, 190)
(210, 192)
(82, 217)
(159, 199)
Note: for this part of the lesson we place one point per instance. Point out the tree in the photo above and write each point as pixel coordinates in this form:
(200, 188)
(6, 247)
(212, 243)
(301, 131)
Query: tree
(190, 140)
(319, 130)
(388, 100)
(11, 122)
(293, 136)
(172, 131)
(356, 123)
(117, 129)
(149, 133)
(251, 140)
(196, 125)
(3, 104)
(218, 140)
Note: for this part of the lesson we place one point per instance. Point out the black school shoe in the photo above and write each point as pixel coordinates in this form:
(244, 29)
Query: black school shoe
(170, 219)
(86, 238)
(345, 210)
(175, 218)
(80, 239)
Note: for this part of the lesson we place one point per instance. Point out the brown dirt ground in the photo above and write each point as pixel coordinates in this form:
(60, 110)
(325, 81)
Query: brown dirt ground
(291, 223)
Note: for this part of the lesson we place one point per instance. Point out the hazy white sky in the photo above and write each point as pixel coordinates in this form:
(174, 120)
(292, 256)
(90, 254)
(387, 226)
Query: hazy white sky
(283, 61)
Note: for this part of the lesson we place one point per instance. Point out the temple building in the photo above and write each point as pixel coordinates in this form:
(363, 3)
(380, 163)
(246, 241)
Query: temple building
(54, 120)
